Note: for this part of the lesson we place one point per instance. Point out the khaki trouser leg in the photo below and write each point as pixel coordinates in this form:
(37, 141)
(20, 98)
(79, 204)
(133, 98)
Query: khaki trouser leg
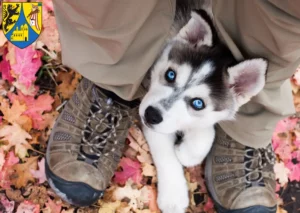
(270, 29)
(113, 42)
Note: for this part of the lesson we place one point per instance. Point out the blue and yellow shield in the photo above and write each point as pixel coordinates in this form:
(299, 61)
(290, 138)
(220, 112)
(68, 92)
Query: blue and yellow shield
(22, 22)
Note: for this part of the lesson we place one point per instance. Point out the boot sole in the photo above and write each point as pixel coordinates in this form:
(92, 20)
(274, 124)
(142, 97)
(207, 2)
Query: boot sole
(75, 193)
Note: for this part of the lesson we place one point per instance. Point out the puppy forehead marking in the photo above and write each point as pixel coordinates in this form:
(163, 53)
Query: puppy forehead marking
(194, 78)
(183, 74)
(202, 73)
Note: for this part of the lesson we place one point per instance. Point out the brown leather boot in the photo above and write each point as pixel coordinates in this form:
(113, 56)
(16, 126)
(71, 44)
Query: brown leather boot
(238, 176)
(86, 144)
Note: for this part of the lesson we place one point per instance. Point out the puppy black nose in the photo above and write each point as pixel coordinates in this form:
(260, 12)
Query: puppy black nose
(152, 115)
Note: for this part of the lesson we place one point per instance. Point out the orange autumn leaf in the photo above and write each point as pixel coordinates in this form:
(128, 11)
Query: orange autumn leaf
(48, 120)
(14, 113)
(22, 174)
(69, 81)
(36, 107)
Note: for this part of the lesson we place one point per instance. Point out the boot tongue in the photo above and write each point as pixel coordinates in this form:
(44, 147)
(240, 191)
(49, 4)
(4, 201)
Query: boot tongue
(116, 99)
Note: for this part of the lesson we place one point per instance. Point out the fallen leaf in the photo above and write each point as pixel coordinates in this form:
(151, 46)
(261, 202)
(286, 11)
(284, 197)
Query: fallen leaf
(281, 173)
(68, 211)
(5, 67)
(31, 90)
(138, 136)
(57, 101)
(4, 87)
(8, 205)
(22, 174)
(42, 103)
(123, 208)
(35, 108)
(68, 81)
(196, 175)
(152, 195)
(28, 62)
(138, 198)
(17, 137)
(48, 4)
(10, 160)
(294, 171)
(55, 208)
(40, 174)
(28, 207)
(109, 207)
(72, 210)
(2, 159)
(47, 120)
(11, 54)
(14, 114)
(139, 144)
(14, 194)
(130, 169)
(191, 185)
(282, 148)
(3, 39)
(280, 210)
(50, 35)
(143, 211)
(285, 125)
(36, 194)
(148, 170)
(209, 205)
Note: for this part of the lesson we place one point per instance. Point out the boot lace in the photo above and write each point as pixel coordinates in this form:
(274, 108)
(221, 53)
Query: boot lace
(95, 137)
(264, 158)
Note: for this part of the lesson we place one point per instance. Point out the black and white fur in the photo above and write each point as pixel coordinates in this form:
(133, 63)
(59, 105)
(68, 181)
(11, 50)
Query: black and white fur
(206, 69)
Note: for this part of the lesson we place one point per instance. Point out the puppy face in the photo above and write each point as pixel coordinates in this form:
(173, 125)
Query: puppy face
(196, 82)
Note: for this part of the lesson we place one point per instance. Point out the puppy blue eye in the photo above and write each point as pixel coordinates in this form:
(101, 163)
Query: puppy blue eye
(170, 76)
(197, 104)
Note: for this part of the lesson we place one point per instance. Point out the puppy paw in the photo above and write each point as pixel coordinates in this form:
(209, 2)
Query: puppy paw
(173, 198)
(185, 157)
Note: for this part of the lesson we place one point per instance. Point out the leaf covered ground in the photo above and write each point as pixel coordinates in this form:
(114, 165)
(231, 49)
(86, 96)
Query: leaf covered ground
(34, 87)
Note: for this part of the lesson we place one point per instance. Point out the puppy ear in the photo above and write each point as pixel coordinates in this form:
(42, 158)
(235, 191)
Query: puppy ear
(197, 31)
(247, 79)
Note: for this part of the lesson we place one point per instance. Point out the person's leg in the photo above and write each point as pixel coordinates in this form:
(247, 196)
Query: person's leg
(112, 43)
(269, 29)
(239, 168)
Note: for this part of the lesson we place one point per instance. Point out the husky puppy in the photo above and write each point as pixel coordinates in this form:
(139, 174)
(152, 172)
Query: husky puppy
(195, 83)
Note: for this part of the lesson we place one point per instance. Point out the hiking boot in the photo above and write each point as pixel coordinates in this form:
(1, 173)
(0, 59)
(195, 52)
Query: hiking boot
(86, 143)
(239, 177)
